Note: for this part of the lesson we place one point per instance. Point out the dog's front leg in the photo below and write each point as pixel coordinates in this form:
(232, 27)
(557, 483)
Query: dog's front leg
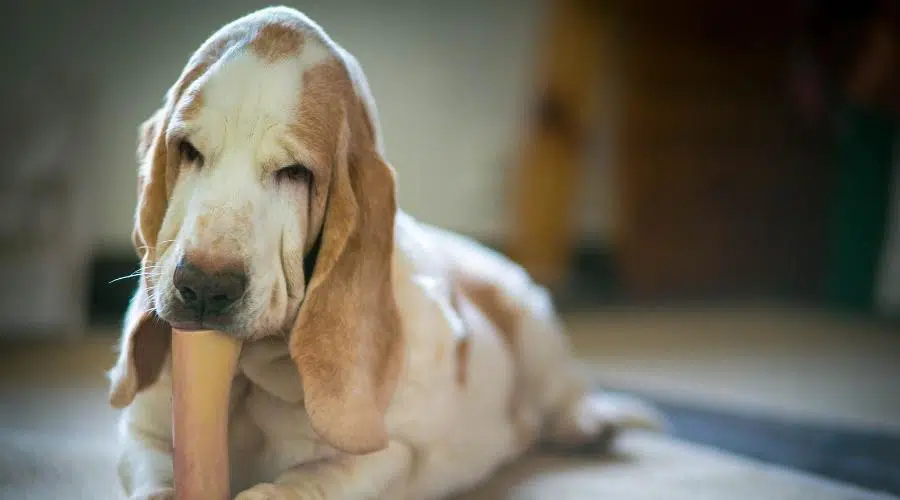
(145, 455)
(145, 471)
(380, 475)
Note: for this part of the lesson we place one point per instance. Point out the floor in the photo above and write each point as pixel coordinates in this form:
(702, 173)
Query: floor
(785, 362)
(757, 382)
(800, 388)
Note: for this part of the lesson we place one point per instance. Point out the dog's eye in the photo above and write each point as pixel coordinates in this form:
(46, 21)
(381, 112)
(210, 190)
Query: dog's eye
(293, 173)
(189, 153)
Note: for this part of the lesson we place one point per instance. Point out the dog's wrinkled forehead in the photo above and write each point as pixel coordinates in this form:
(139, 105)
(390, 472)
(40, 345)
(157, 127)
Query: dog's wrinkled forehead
(271, 81)
(242, 85)
(250, 69)
(268, 90)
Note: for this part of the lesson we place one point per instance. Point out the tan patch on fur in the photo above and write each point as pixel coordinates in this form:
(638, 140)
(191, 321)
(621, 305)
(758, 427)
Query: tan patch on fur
(461, 343)
(221, 250)
(463, 347)
(488, 297)
(193, 103)
(147, 133)
(200, 68)
(203, 222)
(214, 263)
(151, 345)
(276, 41)
(319, 118)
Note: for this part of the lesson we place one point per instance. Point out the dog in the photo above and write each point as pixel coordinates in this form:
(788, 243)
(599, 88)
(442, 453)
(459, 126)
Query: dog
(383, 358)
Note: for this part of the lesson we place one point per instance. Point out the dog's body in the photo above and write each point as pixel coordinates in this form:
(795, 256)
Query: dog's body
(428, 376)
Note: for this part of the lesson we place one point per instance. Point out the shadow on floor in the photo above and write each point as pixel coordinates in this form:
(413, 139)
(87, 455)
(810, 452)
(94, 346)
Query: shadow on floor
(867, 459)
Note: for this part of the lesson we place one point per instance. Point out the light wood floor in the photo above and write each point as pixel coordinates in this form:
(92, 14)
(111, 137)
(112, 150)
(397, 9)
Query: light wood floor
(56, 429)
(780, 362)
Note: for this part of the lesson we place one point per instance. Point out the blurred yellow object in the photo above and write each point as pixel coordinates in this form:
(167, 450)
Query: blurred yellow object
(553, 152)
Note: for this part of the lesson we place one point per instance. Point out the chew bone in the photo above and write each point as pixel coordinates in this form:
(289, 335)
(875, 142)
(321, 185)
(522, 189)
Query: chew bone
(203, 365)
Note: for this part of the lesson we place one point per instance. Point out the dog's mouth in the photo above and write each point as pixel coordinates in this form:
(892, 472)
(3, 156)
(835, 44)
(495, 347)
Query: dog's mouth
(183, 317)
(197, 325)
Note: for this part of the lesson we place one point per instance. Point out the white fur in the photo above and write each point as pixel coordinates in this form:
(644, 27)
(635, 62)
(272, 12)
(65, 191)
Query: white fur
(444, 437)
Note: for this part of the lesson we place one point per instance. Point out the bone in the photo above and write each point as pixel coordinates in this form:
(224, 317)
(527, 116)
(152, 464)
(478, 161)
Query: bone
(203, 366)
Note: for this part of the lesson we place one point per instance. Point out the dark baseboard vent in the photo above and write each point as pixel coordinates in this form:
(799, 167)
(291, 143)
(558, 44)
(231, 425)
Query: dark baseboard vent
(109, 291)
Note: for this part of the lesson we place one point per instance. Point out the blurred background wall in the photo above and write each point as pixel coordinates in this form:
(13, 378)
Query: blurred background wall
(450, 79)
(710, 164)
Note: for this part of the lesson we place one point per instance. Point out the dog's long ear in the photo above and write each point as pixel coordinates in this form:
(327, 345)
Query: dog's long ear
(144, 345)
(151, 195)
(347, 340)
(145, 338)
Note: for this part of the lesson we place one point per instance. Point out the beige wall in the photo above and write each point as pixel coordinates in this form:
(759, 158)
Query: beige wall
(450, 78)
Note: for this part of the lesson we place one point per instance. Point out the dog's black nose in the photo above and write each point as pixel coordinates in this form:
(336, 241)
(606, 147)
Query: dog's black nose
(208, 293)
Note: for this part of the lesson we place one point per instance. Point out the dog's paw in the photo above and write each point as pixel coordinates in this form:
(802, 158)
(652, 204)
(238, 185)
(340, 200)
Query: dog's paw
(156, 494)
(593, 421)
(623, 412)
(269, 491)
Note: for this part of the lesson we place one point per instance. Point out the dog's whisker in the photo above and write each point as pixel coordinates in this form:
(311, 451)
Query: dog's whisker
(135, 274)
(150, 270)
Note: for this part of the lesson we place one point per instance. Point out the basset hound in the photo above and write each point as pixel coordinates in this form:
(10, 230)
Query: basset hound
(383, 358)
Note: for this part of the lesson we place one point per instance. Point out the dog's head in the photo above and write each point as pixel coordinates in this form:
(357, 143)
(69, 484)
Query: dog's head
(265, 207)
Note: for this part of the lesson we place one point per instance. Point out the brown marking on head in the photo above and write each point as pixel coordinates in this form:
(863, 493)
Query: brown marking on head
(277, 40)
(192, 104)
(319, 118)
